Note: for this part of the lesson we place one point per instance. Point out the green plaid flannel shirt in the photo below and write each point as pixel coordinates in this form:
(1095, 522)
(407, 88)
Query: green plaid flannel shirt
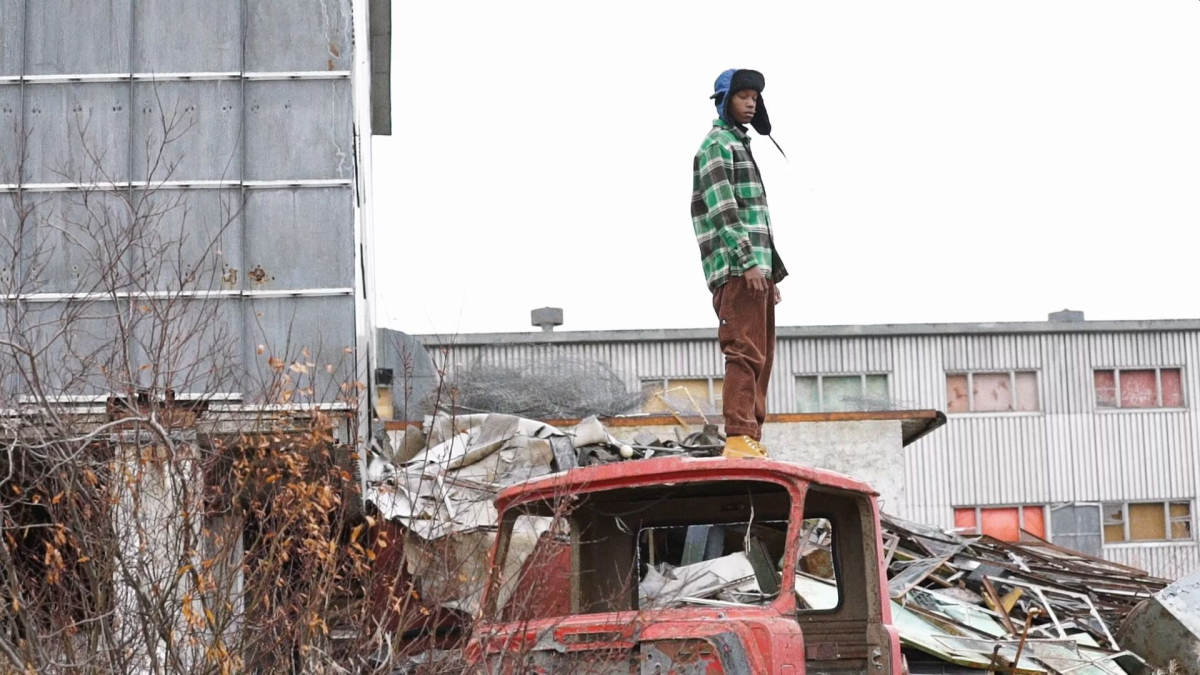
(729, 209)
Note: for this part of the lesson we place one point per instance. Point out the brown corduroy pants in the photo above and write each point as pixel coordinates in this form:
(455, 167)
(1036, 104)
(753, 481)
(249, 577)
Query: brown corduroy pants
(747, 338)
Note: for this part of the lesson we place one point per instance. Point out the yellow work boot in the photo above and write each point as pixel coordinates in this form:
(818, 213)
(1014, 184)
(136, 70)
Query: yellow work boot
(744, 447)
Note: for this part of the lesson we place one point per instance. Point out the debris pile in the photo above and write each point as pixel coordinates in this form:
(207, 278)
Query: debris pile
(983, 603)
(975, 603)
(553, 386)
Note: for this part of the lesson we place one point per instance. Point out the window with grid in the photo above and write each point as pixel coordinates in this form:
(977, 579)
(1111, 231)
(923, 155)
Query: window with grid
(1147, 521)
(1132, 388)
(1004, 391)
(842, 393)
(689, 396)
(1001, 522)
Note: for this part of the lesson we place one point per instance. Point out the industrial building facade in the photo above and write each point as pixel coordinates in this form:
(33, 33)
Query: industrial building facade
(228, 140)
(1083, 432)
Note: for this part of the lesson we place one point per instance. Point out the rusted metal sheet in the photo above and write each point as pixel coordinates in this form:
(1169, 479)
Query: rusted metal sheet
(1166, 628)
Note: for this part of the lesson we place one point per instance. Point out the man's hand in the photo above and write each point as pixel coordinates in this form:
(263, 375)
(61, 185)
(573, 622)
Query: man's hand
(778, 297)
(756, 280)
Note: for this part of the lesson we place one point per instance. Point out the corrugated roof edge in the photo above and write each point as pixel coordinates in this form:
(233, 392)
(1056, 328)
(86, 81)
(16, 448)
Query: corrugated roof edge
(872, 330)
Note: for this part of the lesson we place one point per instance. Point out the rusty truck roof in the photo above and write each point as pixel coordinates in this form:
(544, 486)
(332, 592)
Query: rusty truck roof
(668, 470)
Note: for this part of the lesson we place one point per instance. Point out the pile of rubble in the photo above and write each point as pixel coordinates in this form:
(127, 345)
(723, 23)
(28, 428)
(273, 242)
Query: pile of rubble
(980, 602)
(971, 603)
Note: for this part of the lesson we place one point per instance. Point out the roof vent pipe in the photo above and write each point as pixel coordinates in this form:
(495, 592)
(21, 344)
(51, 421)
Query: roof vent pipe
(547, 318)
(1066, 316)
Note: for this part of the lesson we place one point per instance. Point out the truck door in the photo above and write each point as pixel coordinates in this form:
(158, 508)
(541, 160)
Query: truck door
(839, 596)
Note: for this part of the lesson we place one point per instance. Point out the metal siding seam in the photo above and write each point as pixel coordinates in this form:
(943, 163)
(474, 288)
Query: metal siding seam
(1160, 471)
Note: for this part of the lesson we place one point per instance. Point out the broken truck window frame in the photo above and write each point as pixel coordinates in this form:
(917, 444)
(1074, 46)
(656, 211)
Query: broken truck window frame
(1116, 371)
(1012, 384)
(528, 507)
(838, 574)
(820, 378)
(1168, 520)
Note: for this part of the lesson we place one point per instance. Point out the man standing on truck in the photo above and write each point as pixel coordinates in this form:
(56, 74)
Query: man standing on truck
(733, 228)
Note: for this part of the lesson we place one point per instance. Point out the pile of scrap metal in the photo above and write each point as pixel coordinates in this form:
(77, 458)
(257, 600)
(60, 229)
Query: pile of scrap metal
(960, 604)
(438, 481)
(979, 602)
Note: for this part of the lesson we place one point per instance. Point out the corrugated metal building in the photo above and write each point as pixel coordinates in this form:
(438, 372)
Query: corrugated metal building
(1086, 432)
(255, 117)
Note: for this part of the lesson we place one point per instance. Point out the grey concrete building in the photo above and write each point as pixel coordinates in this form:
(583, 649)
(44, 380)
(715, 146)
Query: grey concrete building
(252, 121)
(1084, 432)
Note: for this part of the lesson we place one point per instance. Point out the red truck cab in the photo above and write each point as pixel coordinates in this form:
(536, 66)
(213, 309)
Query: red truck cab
(684, 565)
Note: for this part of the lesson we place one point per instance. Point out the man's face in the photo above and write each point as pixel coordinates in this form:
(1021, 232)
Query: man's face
(743, 105)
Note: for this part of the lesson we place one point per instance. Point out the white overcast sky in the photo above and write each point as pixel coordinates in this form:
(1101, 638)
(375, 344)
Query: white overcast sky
(955, 160)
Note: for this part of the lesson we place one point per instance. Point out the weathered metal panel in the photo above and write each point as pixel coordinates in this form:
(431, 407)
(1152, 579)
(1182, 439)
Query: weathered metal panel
(10, 135)
(196, 350)
(72, 238)
(201, 123)
(78, 132)
(77, 36)
(74, 345)
(179, 37)
(299, 130)
(12, 38)
(1169, 561)
(317, 330)
(289, 242)
(192, 239)
(381, 67)
(292, 35)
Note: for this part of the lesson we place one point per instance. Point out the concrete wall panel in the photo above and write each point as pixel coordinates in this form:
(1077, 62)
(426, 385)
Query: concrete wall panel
(179, 37)
(10, 132)
(292, 35)
(290, 328)
(299, 130)
(191, 346)
(78, 36)
(187, 131)
(73, 239)
(12, 38)
(77, 132)
(190, 239)
(291, 237)
(78, 350)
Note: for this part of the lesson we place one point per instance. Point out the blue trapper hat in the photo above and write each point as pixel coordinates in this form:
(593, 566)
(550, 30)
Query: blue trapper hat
(734, 80)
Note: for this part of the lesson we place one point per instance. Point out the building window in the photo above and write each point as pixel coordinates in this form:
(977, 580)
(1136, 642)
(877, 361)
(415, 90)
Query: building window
(1147, 521)
(1001, 522)
(694, 396)
(842, 393)
(1006, 391)
(1139, 388)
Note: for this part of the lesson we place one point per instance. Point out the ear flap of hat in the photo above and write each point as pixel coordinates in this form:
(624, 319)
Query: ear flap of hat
(761, 122)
